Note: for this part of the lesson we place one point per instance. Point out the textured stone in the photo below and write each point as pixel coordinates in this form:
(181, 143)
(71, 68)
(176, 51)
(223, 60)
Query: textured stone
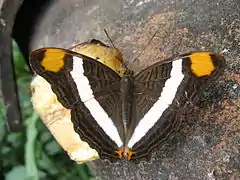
(208, 144)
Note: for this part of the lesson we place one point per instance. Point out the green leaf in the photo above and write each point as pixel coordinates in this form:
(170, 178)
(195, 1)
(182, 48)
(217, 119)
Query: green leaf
(2, 122)
(52, 147)
(5, 150)
(83, 172)
(45, 136)
(14, 139)
(45, 163)
(2, 128)
(31, 167)
(18, 172)
(21, 67)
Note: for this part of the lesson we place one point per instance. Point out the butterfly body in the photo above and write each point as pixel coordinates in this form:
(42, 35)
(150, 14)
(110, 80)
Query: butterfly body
(126, 116)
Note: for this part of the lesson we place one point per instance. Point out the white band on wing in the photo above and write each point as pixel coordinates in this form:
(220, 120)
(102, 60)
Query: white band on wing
(86, 95)
(168, 94)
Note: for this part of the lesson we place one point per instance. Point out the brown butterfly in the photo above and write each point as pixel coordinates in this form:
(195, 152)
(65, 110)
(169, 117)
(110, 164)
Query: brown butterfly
(125, 116)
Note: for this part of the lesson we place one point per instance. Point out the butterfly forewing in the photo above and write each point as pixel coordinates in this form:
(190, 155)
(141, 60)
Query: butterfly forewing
(54, 65)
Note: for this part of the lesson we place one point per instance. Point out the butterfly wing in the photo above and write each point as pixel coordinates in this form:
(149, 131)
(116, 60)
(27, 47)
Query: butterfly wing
(109, 56)
(92, 92)
(161, 91)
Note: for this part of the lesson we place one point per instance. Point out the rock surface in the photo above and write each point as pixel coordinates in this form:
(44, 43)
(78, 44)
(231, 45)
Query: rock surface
(208, 144)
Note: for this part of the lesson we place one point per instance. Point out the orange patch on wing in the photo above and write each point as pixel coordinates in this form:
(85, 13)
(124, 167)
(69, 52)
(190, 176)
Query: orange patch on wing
(201, 64)
(129, 154)
(53, 60)
(119, 153)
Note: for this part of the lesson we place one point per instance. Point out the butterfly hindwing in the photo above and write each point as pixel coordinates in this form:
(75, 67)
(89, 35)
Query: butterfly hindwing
(85, 125)
(147, 85)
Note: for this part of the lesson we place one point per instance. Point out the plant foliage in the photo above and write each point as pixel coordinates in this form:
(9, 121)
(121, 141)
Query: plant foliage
(33, 154)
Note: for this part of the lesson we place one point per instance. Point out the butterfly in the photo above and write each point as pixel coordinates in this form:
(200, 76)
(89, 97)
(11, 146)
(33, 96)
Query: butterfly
(128, 116)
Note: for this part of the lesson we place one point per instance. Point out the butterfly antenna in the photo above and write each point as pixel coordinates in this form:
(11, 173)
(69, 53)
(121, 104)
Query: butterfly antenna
(123, 64)
(143, 49)
(109, 38)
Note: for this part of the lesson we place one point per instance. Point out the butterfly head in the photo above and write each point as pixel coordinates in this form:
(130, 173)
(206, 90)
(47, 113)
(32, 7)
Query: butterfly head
(128, 73)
